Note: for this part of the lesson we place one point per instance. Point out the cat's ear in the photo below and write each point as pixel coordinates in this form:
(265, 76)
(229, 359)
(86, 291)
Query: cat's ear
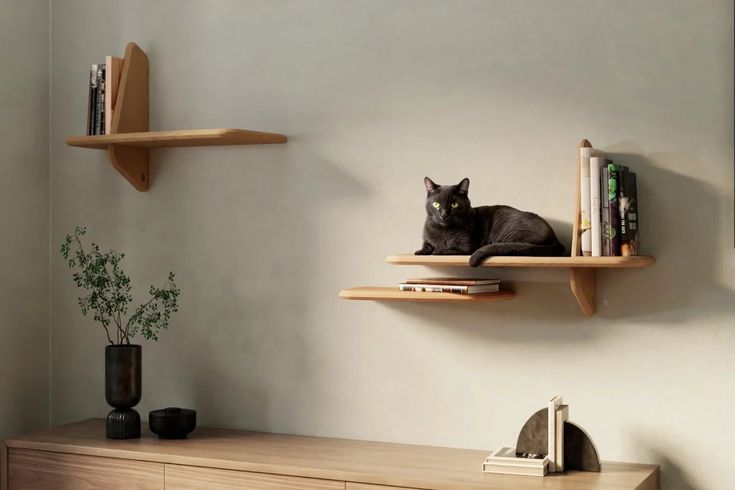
(429, 184)
(463, 186)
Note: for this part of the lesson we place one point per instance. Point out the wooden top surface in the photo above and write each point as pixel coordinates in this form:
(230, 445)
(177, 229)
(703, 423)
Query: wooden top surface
(550, 262)
(317, 457)
(184, 137)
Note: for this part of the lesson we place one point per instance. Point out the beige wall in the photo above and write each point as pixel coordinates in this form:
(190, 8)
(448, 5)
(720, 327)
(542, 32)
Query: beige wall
(24, 346)
(374, 95)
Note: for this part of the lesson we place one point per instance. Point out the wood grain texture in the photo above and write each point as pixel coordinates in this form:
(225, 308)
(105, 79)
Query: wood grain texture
(179, 138)
(131, 116)
(364, 486)
(192, 478)
(583, 283)
(39, 470)
(540, 262)
(397, 465)
(394, 294)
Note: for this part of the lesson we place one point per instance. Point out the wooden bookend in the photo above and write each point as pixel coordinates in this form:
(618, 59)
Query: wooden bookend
(131, 116)
(579, 450)
(583, 281)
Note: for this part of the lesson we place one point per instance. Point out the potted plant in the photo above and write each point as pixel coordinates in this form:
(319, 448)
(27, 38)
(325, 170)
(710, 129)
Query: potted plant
(108, 298)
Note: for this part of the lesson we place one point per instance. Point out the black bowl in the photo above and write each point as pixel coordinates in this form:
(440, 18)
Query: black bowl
(172, 422)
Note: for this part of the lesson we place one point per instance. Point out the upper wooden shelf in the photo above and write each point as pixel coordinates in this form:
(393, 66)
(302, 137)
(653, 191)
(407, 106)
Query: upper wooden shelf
(185, 137)
(129, 140)
(542, 262)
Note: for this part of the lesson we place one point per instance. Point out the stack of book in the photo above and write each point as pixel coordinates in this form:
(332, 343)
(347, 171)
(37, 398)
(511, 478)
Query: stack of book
(451, 285)
(509, 461)
(608, 207)
(104, 80)
(505, 461)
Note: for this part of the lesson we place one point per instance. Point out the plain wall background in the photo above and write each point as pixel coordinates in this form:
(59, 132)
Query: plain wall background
(373, 96)
(24, 122)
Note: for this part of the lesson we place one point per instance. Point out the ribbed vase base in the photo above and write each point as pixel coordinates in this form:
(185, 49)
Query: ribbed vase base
(123, 424)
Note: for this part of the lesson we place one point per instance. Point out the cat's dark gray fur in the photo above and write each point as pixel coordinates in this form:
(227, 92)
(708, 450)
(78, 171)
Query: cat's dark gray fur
(456, 228)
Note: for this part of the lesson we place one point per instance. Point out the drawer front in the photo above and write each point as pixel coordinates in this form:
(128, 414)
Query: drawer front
(42, 470)
(194, 478)
(365, 486)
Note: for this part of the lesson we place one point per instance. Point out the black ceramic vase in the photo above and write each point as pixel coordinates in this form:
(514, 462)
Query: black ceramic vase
(123, 365)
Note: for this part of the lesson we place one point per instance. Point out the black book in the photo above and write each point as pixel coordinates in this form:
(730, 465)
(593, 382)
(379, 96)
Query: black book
(92, 101)
(99, 113)
(629, 215)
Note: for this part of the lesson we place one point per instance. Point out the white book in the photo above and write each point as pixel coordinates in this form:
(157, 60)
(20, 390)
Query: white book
(554, 403)
(584, 196)
(501, 469)
(596, 163)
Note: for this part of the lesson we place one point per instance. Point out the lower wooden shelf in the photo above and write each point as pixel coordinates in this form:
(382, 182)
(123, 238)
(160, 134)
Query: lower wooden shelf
(394, 294)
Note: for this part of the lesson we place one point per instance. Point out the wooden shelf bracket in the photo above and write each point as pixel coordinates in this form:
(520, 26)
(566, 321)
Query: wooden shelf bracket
(131, 116)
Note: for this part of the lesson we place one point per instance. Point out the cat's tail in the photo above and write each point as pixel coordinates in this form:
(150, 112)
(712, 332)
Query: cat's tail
(515, 249)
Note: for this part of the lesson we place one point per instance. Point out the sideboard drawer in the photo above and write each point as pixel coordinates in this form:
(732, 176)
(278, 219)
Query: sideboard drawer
(195, 478)
(43, 470)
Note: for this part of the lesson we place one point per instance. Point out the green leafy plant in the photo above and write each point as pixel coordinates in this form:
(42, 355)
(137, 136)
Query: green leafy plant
(108, 288)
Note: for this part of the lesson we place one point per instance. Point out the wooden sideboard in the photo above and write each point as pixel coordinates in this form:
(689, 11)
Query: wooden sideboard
(78, 456)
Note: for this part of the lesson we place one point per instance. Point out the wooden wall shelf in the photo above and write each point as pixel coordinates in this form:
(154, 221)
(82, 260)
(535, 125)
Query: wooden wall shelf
(129, 142)
(539, 262)
(582, 269)
(395, 294)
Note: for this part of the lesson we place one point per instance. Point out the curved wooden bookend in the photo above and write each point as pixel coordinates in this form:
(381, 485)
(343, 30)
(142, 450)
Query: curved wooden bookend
(131, 116)
(580, 452)
(583, 281)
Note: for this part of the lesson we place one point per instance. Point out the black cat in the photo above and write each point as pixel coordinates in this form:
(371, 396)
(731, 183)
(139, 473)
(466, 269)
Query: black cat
(454, 227)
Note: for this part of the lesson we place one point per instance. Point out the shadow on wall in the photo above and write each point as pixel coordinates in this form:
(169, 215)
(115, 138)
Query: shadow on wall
(679, 218)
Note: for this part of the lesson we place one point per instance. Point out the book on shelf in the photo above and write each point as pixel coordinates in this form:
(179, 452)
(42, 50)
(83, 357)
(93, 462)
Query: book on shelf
(449, 288)
(456, 281)
(612, 183)
(604, 210)
(585, 154)
(553, 405)
(99, 115)
(596, 162)
(561, 416)
(505, 461)
(113, 70)
(628, 203)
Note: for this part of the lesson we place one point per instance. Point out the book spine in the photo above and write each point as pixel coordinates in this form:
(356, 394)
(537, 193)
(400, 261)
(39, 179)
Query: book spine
(99, 127)
(584, 196)
(629, 210)
(562, 415)
(554, 403)
(90, 98)
(612, 183)
(426, 288)
(595, 227)
(604, 211)
(93, 99)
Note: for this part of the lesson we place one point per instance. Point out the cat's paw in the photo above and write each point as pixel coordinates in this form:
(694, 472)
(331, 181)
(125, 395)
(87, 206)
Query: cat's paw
(476, 259)
(423, 251)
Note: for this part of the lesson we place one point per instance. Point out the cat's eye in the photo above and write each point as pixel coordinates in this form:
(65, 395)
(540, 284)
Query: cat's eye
(455, 204)
(436, 205)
